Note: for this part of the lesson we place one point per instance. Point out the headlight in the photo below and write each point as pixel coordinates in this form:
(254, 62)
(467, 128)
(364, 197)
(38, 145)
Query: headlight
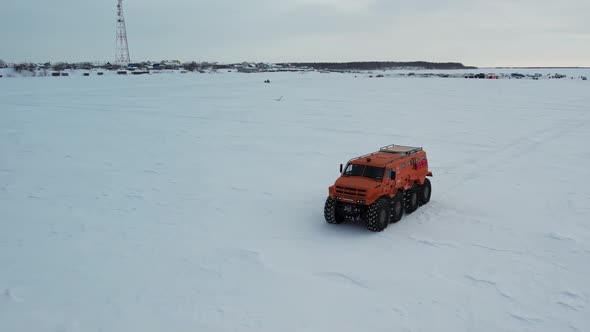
(360, 201)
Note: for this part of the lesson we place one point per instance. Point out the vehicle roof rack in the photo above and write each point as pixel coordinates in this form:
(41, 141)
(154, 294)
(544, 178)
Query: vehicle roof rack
(400, 149)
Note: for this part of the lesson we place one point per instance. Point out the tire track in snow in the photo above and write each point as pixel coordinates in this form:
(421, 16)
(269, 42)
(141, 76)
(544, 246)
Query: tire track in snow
(526, 254)
(337, 276)
(517, 252)
(524, 319)
(481, 281)
(432, 243)
(520, 146)
(572, 301)
(569, 306)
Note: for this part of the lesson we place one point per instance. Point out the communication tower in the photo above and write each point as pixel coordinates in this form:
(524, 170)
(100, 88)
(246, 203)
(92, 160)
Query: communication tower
(122, 55)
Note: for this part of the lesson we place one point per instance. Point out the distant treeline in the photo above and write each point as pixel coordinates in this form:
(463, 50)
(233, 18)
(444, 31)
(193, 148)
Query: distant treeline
(380, 65)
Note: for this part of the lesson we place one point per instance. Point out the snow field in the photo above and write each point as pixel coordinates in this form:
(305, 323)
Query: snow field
(195, 203)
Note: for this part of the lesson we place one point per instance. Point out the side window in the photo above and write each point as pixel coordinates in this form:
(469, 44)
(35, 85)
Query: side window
(410, 163)
(392, 174)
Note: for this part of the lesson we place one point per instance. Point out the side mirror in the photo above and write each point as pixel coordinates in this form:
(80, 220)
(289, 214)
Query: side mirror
(392, 174)
(340, 168)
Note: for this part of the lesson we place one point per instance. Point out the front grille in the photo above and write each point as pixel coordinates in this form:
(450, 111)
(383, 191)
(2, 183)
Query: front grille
(351, 191)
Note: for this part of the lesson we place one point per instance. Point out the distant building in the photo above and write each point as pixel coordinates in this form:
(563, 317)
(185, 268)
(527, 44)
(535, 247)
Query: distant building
(170, 64)
(246, 67)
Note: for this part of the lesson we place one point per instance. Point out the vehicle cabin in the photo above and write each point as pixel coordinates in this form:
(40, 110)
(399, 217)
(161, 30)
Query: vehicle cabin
(402, 163)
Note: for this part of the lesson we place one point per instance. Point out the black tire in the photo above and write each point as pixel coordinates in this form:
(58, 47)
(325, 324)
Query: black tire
(412, 200)
(330, 212)
(425, 192)
(378, 215)
(397, 208)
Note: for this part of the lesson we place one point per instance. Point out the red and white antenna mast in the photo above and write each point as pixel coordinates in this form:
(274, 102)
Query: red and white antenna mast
(122, 55)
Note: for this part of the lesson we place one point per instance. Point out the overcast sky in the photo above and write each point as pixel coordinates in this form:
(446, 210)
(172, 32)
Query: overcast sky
(475, 32)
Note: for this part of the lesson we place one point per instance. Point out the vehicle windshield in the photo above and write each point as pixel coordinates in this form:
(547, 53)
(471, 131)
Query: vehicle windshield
(365, 171)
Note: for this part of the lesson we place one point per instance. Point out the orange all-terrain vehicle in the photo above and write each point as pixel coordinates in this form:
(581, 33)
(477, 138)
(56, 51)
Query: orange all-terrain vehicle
(378, 187)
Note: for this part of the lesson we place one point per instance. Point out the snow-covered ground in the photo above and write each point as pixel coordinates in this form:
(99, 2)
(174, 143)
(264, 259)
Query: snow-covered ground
(195, 203)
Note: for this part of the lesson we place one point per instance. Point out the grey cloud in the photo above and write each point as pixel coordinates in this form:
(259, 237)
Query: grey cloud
(477, 32)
